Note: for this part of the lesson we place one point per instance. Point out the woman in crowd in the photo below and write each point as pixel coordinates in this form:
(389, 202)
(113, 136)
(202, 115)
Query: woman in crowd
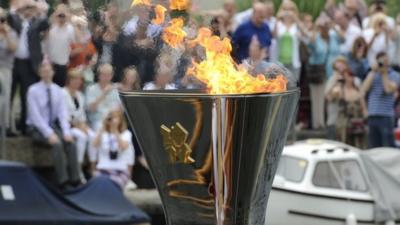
(102, 96)
(350, 126)
(8, 46)
(163, 80)
(116, 153)
(324, 49)
(288, 32)
(340, 66)
(357, 58)
(83, 51)
(130, 80)
(379, 37)
(75, 101)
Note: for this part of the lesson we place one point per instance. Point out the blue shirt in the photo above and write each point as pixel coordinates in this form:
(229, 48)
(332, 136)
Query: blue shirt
(323, 53)
(380, 103)
(243, 35)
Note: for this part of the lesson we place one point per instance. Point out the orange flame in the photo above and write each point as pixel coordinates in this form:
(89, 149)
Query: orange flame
(179, 4)
(223, 76)
(160, 15)
(141, 2)
(174, 35)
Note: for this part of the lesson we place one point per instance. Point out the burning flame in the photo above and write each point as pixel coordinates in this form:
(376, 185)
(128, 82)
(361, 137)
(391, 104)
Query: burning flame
(179, 4)
(174, 35)
(160, 15)
(218, 71)
(141, 2)
(223, 76)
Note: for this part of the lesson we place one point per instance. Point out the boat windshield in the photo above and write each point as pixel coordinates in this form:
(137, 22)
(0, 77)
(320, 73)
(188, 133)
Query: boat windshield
(345, 175)
(292, 169)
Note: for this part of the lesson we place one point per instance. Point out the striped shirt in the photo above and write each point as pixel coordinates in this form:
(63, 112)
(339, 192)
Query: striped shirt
(380, 103)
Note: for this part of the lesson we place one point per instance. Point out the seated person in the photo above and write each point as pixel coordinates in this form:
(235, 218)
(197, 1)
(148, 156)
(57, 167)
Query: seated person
(116, 152)
(48, 123)
(102, 96)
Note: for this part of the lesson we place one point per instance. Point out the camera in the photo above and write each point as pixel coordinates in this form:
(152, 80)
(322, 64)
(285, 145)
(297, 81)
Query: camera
(3, 20)
(113, 155)
(381, 63)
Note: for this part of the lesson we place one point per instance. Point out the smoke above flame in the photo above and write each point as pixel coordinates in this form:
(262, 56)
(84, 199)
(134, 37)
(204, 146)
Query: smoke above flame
(218, 70)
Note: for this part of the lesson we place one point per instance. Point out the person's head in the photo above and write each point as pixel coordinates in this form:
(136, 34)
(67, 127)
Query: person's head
(269, 9)
(115, 119)
(307, 21)
(378, 6)
(46, 72)
(131, 78)
(348, 76)
(324, 25)
(352, 5)
(378, 22)
(340, 65)
(3, 17)
(81, 27)
(230, 7)
(27, 8)
(74, 79)
(259, 14)
(382, 60)
(61, 14)
(105, 73)
(341, 19)
(164, 76)
(288, 11)
(360, 48)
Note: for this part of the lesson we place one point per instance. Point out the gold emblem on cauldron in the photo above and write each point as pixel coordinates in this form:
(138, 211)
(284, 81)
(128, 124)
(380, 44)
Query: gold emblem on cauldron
(175, 143)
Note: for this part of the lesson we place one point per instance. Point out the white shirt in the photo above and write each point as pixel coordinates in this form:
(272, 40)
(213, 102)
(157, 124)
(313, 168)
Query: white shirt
(351, 34)
(22, 51)
(59, 43)
(295, 33)
(126, 157)
(380, 45)
(76, 114)
(150, 86)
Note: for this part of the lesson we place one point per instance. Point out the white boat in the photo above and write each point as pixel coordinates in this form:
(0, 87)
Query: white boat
(322, 182)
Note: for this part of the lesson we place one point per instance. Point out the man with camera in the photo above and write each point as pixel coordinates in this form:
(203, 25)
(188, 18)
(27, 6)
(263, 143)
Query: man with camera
(48, 122)
(380, 87)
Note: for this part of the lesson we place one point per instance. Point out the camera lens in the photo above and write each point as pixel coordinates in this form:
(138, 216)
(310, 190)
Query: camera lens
(2, 20)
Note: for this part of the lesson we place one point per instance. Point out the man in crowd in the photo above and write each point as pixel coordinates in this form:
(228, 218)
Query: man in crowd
(48, 122)
(29, 27)
(381, 86)
(254, 27)
(60, 39)
(348, 31)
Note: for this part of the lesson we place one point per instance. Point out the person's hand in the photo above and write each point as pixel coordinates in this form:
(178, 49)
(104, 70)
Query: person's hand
(5, 29)
(68, 139)
(53, 139)
(108, 89)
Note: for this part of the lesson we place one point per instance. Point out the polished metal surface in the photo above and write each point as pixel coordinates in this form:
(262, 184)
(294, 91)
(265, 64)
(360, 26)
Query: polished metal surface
(213, 158)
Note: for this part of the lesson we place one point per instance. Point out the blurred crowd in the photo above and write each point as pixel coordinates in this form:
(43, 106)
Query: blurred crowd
(67, 67)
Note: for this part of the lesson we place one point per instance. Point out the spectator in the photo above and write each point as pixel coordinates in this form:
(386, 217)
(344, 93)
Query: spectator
(29, 28)
(254, 27)
(256, 64)
(75, 102)
(49, 124)
(130, 80)
(357, 58)
(381, 86)
(378, 37)
(246, 15)
(163, 80)
(352, 111)
(396, 56)
(378, 7)
(61, 37)
(287, 32)
(346, 30)
(105, 45)
(333, 92)
(324, 49)
(101, 97)
(116, 153)
(356, 10)
(8, 45)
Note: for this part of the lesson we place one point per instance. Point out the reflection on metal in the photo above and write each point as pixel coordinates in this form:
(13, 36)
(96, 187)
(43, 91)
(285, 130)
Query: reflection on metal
(235, 142)
(175, 143)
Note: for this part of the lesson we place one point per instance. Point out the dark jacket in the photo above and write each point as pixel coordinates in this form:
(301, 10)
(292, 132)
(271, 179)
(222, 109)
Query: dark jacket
(36, 27)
